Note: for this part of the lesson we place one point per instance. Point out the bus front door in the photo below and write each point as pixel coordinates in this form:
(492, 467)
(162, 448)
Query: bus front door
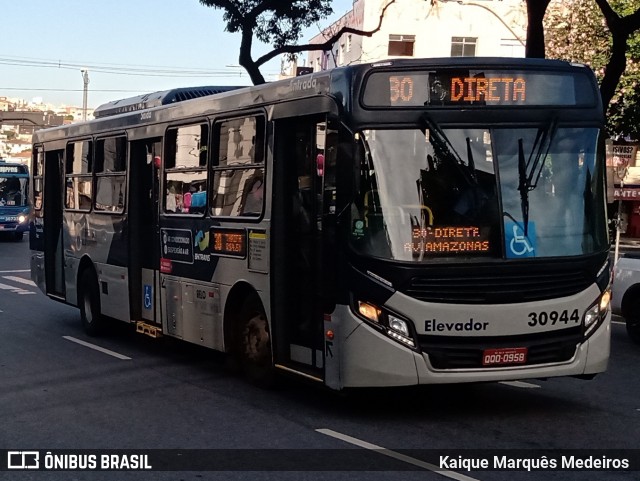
(53, 223)
(298, 267)
(143, 230)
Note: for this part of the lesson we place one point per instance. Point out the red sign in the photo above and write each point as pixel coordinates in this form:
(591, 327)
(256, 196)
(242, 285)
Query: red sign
(166, 266)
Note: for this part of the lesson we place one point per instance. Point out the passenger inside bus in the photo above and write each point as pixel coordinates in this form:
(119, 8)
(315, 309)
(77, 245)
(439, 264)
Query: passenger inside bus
(198, 201)
(254, 198)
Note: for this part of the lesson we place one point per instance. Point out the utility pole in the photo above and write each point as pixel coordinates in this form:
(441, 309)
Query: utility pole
(85, 91)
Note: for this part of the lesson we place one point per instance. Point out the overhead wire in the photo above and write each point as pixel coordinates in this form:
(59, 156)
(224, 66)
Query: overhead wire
(121, 69)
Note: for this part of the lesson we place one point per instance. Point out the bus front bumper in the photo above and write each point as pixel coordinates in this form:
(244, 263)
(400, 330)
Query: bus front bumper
(14, 226)
(370, 359)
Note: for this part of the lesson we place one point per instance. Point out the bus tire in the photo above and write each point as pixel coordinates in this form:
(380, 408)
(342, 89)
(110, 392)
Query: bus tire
(253, 343)
(17, 236)
(632, 320)
(89, 303)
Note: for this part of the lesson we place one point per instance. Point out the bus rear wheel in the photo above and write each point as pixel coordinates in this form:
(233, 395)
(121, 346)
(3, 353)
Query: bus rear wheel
(253, 343)
(89, 303)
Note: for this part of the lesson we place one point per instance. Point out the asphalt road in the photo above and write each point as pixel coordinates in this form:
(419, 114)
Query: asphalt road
(137, 393)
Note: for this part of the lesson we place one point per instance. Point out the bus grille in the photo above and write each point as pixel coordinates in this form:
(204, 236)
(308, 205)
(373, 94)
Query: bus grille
(496, 285)
(461, 353)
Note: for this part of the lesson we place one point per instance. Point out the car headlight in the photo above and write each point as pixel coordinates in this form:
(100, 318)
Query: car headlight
(391, 324)
(596, 313)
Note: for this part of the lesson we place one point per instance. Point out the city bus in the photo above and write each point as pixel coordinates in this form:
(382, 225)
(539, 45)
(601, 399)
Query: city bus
(405, 222)
(14, 200)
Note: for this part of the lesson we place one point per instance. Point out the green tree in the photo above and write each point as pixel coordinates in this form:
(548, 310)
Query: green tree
(274, 22)
(624, 24)
(578, 31)
(278, 23)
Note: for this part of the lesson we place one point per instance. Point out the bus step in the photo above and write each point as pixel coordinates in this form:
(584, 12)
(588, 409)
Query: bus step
(148, 329)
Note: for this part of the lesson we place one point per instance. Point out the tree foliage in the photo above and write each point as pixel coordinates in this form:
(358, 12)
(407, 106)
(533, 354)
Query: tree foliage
(279, 23)
(275, 22)
(603, 34)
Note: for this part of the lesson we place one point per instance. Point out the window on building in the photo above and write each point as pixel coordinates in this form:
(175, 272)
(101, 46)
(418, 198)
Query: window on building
(111, 170)
(349, 43)
(511, 47)
(341, 52)
(401, 45)
(186, 153)
(78, 173)
(239, 176)
(463, 46)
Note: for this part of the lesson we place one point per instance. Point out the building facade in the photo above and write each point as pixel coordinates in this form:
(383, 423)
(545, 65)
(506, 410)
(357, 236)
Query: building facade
(623, 186)
(425, 28)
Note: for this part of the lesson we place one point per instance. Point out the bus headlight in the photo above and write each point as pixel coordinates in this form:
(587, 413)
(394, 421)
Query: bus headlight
(594, 316)
(22, 218)
(392, 325)
(398, 325)
(369, 311)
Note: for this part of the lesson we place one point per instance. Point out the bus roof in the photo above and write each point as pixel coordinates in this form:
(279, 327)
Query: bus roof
(156, 99)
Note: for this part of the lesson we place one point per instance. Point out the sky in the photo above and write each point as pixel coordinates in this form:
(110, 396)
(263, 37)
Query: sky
(128, 47)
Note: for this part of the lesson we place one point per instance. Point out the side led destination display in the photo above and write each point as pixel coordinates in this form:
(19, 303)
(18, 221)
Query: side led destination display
(455, 87)
(13, 169)
(454, 240)
(228, 242)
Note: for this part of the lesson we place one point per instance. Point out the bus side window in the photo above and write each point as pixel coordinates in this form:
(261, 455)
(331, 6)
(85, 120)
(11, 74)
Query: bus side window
(186, 156)
(79, 179)
(238, 170)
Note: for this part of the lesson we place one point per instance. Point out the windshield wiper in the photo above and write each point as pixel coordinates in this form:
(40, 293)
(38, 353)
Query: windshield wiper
(445, 150)
(529, 170)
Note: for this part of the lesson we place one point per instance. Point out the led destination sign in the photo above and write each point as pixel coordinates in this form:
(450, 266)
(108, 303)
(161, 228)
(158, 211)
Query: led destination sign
(228, 242)
(455, 87)
(449, 240)
(470, 89)
(12, 169)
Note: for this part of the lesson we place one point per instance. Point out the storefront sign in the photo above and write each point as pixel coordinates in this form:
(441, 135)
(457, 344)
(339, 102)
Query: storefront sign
(627, 193)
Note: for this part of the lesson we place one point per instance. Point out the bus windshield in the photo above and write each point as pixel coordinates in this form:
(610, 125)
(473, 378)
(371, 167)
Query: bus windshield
(478, 192)
(13, 191)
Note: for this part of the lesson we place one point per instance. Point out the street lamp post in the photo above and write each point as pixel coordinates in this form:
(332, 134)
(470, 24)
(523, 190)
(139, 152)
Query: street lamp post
(85, 91)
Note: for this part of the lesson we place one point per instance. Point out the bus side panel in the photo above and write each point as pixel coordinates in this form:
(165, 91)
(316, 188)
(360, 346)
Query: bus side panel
(101, 240)
(192, 312)
(114, 291)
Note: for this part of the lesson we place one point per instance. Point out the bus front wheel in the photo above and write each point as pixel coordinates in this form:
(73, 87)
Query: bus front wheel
(253, 343)
(89, 297)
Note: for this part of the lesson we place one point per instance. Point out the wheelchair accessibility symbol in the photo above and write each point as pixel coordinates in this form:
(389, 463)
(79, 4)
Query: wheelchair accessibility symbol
(147, 296)
(519, 245)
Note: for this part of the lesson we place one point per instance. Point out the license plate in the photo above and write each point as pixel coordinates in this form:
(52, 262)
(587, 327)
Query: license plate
(504, 356)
